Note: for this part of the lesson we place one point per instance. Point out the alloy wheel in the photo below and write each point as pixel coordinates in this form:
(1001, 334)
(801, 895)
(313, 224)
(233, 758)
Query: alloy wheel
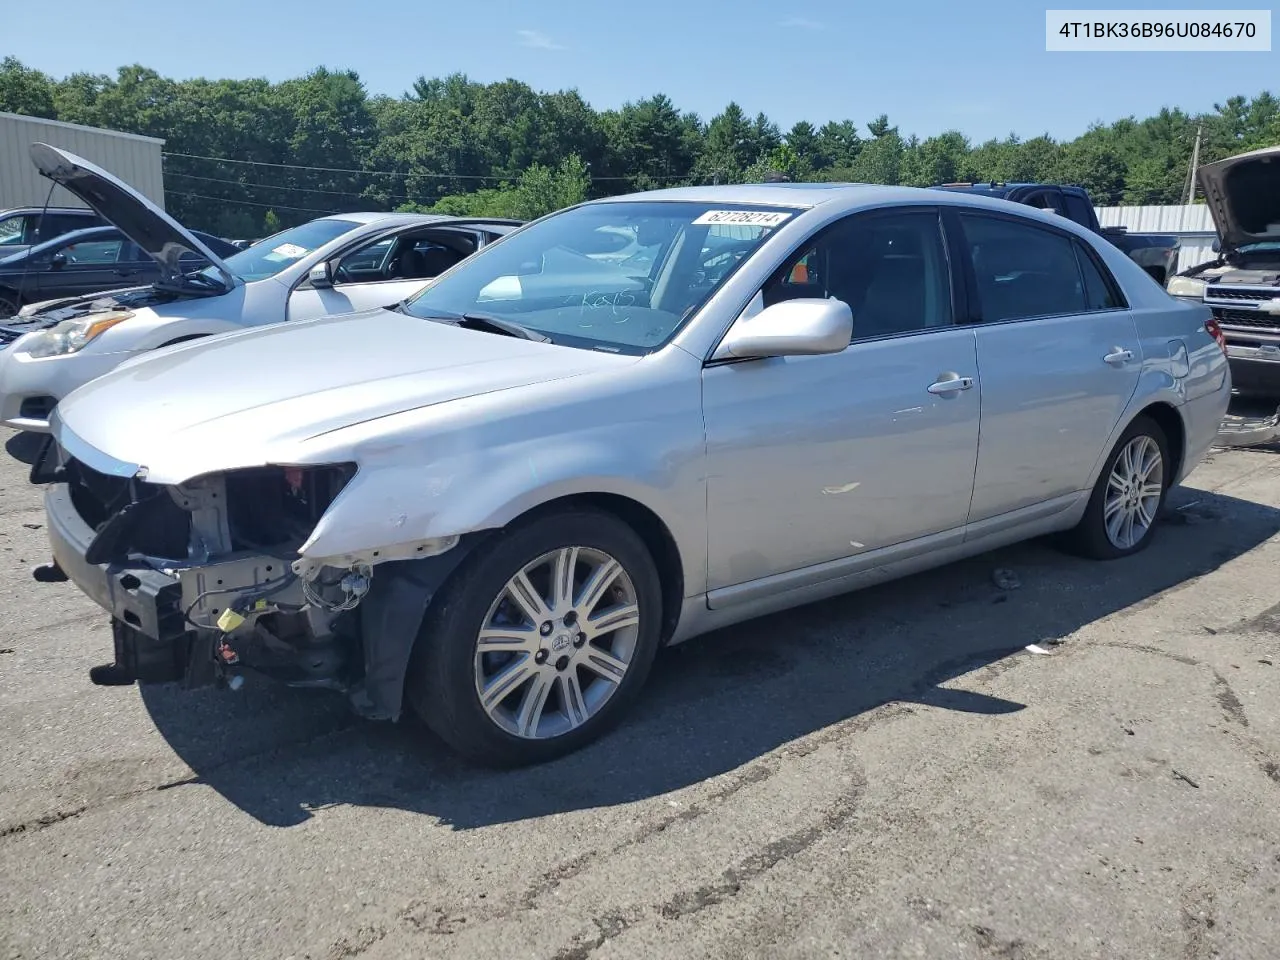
(556, 642)
(1133, 492)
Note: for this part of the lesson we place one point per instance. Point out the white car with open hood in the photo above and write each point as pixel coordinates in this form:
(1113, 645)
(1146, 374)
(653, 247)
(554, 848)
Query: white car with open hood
(335, 264)
(623, 425)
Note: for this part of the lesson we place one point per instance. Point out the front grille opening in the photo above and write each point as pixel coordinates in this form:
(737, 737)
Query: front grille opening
(269, 508)
(1251, 295)
(36, 408)
(1246, 318)
(157, 528)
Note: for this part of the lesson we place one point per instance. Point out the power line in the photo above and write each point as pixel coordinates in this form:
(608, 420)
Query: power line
(278, 186)
(250, 203)
(300, 166)
(391, 173)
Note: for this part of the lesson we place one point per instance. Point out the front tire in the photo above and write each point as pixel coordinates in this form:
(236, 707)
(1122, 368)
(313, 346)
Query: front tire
(540, 641)
(1128, 496)
(10, 304)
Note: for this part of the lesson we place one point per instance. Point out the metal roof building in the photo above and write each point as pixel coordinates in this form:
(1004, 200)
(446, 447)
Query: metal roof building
(134, 159)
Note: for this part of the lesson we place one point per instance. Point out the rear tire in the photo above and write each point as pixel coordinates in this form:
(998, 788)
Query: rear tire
(10, 304)
(558, 668)
(1127, 499)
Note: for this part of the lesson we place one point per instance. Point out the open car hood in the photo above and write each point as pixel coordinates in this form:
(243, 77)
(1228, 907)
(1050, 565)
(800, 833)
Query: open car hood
(162, 237)
(1243, 193)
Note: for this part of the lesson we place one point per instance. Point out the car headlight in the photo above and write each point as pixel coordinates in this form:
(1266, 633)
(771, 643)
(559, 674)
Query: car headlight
(1189, 287)
(70, 336)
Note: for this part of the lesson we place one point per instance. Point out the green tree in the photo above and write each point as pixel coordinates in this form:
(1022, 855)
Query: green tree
(730, 147)
(26, 91)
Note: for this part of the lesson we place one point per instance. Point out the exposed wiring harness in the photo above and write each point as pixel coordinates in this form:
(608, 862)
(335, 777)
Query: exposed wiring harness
(354, 583)
(271, 588)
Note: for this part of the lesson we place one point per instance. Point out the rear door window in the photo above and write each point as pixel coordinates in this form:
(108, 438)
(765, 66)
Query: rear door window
(1022, 271)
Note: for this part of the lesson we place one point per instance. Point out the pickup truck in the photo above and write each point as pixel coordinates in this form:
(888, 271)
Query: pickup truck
(1156, 254)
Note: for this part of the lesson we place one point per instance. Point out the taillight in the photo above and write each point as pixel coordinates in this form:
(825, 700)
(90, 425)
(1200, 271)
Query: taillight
(1215, 331)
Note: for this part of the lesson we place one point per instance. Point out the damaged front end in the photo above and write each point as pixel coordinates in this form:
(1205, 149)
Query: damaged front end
(204, 580)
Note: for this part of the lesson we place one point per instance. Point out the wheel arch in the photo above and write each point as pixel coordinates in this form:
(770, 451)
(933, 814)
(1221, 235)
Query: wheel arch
(1169, 420)
(651, 529)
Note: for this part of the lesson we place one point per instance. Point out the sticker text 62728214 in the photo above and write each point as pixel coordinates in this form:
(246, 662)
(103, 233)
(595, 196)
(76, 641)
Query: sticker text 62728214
(743, 218)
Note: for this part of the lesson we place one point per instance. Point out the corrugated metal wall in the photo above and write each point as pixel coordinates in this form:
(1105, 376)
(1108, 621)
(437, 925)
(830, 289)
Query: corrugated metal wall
(1190, 223)
(135, 160)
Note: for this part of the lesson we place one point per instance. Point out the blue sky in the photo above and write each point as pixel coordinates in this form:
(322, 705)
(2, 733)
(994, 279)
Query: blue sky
(931, 66)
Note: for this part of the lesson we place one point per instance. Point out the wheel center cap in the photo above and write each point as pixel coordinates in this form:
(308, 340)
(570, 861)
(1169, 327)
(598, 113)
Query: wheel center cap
(562, 641)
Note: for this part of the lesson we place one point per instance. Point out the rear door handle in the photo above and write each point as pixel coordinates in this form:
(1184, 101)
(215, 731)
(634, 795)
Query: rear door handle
(1118, 356)
(950, 385)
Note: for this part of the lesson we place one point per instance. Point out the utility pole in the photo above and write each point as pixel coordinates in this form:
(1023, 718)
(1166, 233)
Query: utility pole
(1195, 162)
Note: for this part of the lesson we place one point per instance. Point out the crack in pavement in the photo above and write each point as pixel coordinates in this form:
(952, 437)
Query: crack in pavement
(731, 880)
(1227, 699)
(39, 823)
(1154, 651)
(47, 820)
(607, 927)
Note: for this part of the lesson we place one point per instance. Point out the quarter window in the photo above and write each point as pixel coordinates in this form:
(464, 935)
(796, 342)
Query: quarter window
(1022, 271)
(1098, 293)
(890, 269)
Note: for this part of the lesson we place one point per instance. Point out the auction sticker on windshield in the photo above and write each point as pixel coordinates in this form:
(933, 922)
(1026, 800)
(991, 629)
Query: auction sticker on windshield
(290, 251)
(745, 218)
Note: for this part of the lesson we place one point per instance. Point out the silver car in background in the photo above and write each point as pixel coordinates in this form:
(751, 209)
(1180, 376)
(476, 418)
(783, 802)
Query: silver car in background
(499, 498)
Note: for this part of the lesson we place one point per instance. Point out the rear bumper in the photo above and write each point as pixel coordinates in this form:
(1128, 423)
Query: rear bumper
(152, 643)
(1255, 370)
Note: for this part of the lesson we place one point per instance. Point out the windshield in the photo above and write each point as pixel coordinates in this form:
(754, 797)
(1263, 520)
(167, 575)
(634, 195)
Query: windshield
(268, 257)
(1266, 246)
(618, 276)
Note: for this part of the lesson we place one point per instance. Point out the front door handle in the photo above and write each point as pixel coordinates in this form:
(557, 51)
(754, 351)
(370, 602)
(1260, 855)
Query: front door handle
(950, 385)
(1118, 356)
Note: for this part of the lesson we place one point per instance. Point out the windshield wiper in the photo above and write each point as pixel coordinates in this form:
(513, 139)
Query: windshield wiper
(484, 321)
(202, 280)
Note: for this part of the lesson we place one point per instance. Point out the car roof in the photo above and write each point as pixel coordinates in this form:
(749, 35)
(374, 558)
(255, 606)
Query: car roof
(846, 196)
(85, 233)
(59, 210)
(839, 199)
(385, 219)
(801, 195)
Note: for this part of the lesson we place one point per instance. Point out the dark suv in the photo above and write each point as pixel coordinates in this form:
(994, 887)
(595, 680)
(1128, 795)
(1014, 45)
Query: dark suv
(23, 227)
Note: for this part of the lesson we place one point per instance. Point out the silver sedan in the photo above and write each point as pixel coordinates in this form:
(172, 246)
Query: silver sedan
(618, 427)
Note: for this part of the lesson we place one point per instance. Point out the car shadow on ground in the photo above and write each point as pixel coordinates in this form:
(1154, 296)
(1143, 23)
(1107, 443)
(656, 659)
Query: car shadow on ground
(715, 703)
(24, 447)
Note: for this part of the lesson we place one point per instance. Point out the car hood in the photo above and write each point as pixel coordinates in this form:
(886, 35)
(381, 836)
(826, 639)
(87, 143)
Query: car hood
(1243, 194)
(162, 237)
(254, 397)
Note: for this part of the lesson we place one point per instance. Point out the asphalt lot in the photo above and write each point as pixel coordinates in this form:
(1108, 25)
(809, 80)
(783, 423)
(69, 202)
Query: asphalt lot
(890, 774)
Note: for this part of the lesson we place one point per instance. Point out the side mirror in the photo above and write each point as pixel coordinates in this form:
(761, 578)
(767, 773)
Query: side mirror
(57, 261)
(791, 328)
(1216, 246)
(320, 276)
